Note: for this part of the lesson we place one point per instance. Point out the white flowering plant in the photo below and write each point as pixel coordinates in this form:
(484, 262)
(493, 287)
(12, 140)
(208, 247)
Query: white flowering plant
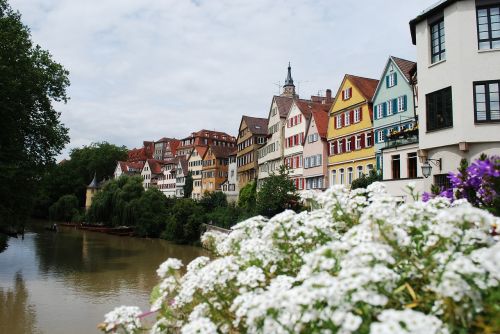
(358, 262)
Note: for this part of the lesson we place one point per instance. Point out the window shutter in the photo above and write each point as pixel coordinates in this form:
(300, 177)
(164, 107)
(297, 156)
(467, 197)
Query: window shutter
(386, 81)
(404, 103)
(335, 122)
(394, 106)
(351, 116)
(302, 183)
(362, 140)
(334, 148)
(353, 143)
(350, 91)
(360, 114)
(384, 109)
(343, 144)
(395, 78)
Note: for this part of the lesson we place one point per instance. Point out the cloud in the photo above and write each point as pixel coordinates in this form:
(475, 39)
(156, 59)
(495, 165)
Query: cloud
(141, 70)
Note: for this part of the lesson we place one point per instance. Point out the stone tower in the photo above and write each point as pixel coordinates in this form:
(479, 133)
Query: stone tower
(92, 189)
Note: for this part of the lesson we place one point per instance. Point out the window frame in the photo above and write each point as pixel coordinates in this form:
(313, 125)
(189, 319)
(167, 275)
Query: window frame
(487, 100)
(490, 39)
(427, 113)
(441, 54)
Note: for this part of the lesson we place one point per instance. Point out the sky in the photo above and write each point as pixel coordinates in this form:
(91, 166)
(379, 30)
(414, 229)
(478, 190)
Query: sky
(147, 69)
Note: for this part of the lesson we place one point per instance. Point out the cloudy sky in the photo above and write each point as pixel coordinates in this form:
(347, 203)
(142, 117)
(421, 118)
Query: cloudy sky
(145, 69)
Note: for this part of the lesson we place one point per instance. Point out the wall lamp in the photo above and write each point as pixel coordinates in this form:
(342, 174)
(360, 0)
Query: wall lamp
(427, 168)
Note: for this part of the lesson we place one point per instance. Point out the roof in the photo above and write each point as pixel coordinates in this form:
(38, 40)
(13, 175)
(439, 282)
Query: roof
(321, 118)
(221, 151)
(155, 165)
(201, 150)
(283, 103)
(405, 66)
(126, 166)
(256, 125)
(366, 86)
(435, 8)
(184, 164)
(307, 107)
(93, 183)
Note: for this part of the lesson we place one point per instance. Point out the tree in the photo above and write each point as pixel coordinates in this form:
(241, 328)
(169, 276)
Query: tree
(277, 194)
(148, 213)
(216, 199)
(364, 181)
(183, 225)
(188, 185)
(247, 197)
(31, 133)
(64, 209)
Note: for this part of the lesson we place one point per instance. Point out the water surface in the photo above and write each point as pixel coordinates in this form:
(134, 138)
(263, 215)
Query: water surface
(66, 281)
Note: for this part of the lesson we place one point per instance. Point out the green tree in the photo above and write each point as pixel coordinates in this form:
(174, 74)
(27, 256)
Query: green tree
(188, 185)
(183, 225)
(64, 209)
(247, 197)
(148, 213)
(277, 194)
(31, 133)
(213, 200)
(365, 180)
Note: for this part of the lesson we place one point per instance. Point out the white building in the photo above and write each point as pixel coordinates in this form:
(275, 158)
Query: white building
(195, 166)
(230, 186)
(458, 59)
(180, 176)
(127, 168)
(150, 173)
(167, 178)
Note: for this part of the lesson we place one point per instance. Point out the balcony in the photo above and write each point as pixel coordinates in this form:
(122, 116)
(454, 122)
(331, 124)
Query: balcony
(401, 138)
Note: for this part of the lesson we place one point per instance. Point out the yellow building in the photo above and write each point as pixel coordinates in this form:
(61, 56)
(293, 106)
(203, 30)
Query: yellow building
(350, 130)
(92, 189)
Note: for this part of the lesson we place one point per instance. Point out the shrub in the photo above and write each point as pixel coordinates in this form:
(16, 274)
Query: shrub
(360, 263)
(64, 209)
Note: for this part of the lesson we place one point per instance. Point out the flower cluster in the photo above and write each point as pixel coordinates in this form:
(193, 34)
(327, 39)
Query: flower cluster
(357, 263)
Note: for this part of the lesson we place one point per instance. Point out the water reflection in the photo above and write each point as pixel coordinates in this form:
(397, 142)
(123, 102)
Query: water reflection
(16, 314)
(3, 242)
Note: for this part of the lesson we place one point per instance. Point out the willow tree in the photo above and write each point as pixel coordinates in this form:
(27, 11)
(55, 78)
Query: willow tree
(31, 133)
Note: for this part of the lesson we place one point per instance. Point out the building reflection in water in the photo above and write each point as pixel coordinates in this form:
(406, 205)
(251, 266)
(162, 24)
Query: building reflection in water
(17, 316)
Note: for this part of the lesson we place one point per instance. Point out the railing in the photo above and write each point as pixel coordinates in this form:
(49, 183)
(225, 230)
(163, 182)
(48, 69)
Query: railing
(402, 138)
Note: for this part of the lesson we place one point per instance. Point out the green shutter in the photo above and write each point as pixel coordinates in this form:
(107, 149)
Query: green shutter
(395, 78)
(386, 81)
(405, 103)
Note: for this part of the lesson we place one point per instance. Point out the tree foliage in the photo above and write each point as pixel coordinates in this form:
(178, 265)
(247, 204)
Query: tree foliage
(247, 197)
(64, 209)
(365, 180)
(277, 194)
(183, 224)
(31, 133)
(188, 185)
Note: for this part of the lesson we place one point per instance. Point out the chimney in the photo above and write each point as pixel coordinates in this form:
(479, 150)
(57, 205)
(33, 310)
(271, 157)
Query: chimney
(328, 95)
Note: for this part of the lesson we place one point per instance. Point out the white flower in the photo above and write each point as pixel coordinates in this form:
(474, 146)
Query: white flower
(199, 326)
(126, 317)
(168, 266)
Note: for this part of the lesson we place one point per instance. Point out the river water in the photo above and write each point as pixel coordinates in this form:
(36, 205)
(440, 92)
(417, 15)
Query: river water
(65, 282)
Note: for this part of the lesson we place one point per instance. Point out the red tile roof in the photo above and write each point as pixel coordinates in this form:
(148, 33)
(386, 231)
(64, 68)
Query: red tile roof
(366, 86)
(283, 103)
(184, 164)
(221, 151)
(321, 118)
(405, 66)
(201, 150)
(155, 166)
(256, 125)
(307, 107)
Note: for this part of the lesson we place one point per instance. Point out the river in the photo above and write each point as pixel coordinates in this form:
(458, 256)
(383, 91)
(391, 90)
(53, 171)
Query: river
(65, 282)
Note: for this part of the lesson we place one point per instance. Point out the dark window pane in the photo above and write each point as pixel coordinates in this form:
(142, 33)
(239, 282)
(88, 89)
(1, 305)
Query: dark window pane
(439, 109)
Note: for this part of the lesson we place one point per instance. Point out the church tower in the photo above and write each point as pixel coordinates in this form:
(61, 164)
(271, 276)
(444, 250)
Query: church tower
(289, 87)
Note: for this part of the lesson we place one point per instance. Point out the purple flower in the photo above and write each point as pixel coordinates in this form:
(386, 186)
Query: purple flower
(426, 196)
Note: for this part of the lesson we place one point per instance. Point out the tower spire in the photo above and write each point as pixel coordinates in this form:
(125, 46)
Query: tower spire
(289, 87)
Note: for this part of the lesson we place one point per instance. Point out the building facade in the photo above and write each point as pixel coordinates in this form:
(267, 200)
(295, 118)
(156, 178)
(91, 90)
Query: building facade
(204, 138)
(180, 176)
(165, 148)
(350, 130)
(215, 168)
(127, 168)
(167, 178)
(251, 136)
(458, 57)
(195, 166)
(230, 186)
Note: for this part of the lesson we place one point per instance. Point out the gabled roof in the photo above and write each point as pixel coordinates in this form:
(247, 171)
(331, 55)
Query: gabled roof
(435, 8)
(93, 184)
(200, 149)
(307, 107)
(184, 164)
(366, 86)
(221, 151)
(405, 66)
(155, 165)
(283, 103)
(255, 125)
(321, 119)
(126, 166)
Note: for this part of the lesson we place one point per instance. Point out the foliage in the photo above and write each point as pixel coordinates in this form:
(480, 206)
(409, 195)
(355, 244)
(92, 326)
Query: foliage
(31, 134)
(112, 205)
(226, 216)
(212, 200)
(72, 176)
(188, 185)
(147, 213)
(183, 224)
(360, 263)
(64, 209)
(248, 197)
(365, 180)
(277, 194)
(478, 183)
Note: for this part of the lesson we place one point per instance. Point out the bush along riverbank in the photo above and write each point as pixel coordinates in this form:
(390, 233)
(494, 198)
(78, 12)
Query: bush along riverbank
(358, 263)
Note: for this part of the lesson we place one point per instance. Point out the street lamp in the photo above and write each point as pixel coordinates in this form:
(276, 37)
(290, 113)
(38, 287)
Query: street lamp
(427, 168)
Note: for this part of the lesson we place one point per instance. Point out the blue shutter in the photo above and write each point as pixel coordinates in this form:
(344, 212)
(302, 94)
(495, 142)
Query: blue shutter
(405, 103)
(386, 81)
(395, 78)
(394, 106)
(384, 109)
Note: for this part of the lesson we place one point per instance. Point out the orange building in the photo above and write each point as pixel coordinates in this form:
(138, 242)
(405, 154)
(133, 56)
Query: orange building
(215, 167)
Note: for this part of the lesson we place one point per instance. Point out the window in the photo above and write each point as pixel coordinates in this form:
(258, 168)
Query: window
(368, 139)
(357, 115)
(360, 171)
(349, 175)
(348, 144)
(334, 177)
(357, 146)
(332, 147)
(438, 51)
(442, 181)
(339, 121)
(439, 109)
(389, 107)
(487, 101)
(380, 136)
(369, 168)
(379, 111)
(346, 94)
(347, 118)
(412, 165)
(339, 146)
(396, 167)
(488, 27)
(342, 180)
(401, 103)
(390, 80)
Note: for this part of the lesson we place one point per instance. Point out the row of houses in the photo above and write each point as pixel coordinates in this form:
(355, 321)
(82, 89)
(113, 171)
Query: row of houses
(413, 123)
